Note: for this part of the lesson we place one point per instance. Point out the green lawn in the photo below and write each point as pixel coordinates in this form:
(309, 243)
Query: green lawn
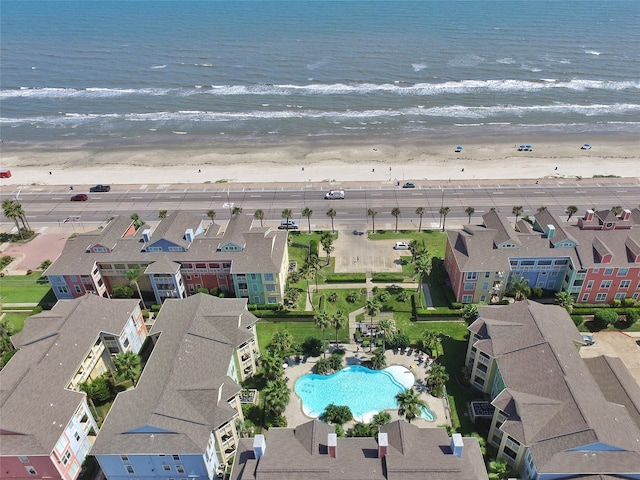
(434, 240)
(298, 330)
(25, 289)
(16, 321)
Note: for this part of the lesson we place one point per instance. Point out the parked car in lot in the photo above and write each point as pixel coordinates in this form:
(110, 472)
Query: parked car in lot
(358, 232)
(334, 195)
(79, 197)
(588, 339)
(100, 188)
(288, 225)
(401, 246)
(409, 185)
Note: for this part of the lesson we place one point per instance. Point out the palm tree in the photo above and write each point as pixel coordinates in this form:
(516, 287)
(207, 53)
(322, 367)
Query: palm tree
(521, 286)
(271, 364)
(259, 215)
(409, 404)
(10, 211)
(541, 209)
(211, 214)
(469, 211)
(313, 265)
(616, 210)
(23, 217)
(276, 396)
(396, 213)
(137, 223)
(420, 213)
(517, 211)
(326, 240)
(378, 359)
(306, 213)
(571, 210)
(287, 214)
(331, 213)
(236, 211)
(128, 365)
(162, 214)
(499, 470)
(444, 211)
(437, 378)
(133, 274)
(372, 213)
(322, 322)
(431, 342)
(565, 300)
(281, 341)
(386, 326)
(373, 308)
(422, 267)
(338, 321)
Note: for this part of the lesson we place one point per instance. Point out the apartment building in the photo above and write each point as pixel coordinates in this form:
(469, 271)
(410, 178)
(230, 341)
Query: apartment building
(596, 259)
(180, 420)
(182, 255)
(556, 415)
(46, 426)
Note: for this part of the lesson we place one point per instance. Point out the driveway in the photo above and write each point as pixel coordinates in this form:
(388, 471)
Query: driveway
(46, 246)
(356, 253)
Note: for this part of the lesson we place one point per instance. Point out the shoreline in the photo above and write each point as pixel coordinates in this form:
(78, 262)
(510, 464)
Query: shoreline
(335, 160)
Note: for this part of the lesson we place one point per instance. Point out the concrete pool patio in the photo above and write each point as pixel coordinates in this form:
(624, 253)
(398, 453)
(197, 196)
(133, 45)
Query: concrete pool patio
(295, 415)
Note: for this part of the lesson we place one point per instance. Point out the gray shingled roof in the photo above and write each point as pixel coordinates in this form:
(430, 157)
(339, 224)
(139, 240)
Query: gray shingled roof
(494, 220)
(264, 249)
(33, 396)
(178, 390)
(474, 246)
(300, 453)
(552, 399)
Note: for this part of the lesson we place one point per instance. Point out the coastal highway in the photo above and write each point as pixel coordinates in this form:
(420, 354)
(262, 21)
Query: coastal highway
(45, 205)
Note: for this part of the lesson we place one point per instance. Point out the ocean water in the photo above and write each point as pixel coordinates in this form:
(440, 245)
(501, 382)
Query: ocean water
(118, 72)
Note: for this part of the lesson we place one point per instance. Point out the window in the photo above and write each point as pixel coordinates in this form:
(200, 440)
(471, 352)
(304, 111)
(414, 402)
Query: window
(467, 298)
(528, 262)
(62, 289)
(24, 459)
(585, 297)
(622, 272)
(253, 276)
(77, 287)
(469, 286)
(485, 286)
(544, 262)
(76, 435)
(31, 471)
(65, 458)
(271, 287)
(124, 458)
(606, 284)
(472, 275)
(601, 297)
(268, 277)
(176, 457)
(130, 469)
(589, 284)
(166, 468)
(620, 296)
(625, 284)
(487, 274)
(179, 468)
(608, 271)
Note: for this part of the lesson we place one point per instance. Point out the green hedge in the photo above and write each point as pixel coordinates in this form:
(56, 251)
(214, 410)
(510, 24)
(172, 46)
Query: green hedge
(591, 311)
(346, 278)
(262, 306)
(289, 316)
(434, 315)
(388, 277)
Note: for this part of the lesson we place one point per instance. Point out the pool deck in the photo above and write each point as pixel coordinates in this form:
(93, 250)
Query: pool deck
(296, 417)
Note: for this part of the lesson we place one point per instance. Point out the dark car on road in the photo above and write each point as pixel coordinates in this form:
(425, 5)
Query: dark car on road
(409, 185)
(79, 197)
(100, 188)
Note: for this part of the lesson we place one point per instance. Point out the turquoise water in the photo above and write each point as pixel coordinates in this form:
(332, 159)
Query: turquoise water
(366, 392)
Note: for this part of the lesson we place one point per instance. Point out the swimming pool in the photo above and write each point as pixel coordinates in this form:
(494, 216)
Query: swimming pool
(366, 392)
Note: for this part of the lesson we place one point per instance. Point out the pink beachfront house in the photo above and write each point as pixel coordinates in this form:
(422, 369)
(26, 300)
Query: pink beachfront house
(596, 259)
(46, 427)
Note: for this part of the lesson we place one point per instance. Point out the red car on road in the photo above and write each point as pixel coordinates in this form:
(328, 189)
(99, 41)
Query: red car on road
(79, 197)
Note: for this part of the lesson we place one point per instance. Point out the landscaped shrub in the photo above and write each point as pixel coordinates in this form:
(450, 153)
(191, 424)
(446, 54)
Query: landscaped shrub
(456, 306)
(335, 361)
(345, 278)
(603, 318)
(384, 296)
(156, 308)
(537, 292)
(399, 340)
(616, 303)
(37, 309)
(333, 297)
(631, 316)
(339, 414)
(323, 366)
(312, 346)
(386, 277)
(353, 297)
(577, 320)
(629, 302)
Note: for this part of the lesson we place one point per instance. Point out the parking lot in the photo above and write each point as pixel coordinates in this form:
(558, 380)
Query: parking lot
(356, 253)
(617, 344)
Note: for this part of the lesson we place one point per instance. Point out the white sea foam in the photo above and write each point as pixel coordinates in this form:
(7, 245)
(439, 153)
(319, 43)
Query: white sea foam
(417, 67)
(592, 52)
(157, 67)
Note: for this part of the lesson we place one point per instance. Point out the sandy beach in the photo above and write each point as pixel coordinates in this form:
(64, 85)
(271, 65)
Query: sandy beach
(322, 160)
